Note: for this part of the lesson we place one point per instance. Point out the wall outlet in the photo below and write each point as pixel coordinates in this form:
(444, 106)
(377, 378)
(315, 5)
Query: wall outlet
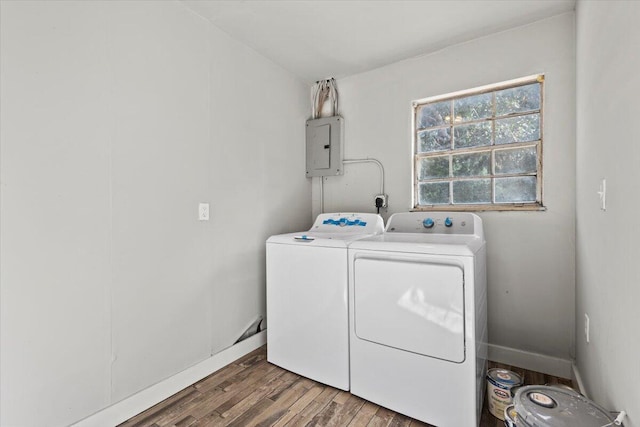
(381, 199)
(586, 327)
(203, 212)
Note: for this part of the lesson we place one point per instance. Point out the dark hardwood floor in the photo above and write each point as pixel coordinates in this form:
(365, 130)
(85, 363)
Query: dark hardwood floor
(253, 392)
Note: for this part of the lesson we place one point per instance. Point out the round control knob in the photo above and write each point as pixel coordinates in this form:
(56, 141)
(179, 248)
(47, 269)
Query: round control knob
(428, 223)
(448, 222)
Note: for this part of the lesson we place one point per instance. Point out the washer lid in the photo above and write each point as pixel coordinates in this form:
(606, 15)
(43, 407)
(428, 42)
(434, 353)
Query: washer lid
(548, 406)
(311, 239)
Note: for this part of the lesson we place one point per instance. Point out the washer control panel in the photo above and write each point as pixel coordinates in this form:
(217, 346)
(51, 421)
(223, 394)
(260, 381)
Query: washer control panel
(364, 223)
(432, 223)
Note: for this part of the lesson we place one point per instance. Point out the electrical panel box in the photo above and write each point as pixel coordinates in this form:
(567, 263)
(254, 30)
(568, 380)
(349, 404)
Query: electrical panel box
(324, 146)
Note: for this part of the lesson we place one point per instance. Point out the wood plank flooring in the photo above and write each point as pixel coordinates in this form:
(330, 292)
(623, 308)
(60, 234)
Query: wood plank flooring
(253, 392)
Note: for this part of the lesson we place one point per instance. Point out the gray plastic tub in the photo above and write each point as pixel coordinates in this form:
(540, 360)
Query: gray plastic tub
(550, 406)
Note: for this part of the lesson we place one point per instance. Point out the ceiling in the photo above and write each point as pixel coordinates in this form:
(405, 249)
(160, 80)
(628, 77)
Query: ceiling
(316, 39)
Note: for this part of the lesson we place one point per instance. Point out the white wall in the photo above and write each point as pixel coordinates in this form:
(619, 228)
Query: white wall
(608, 84)
(530, 254)
(117, 118)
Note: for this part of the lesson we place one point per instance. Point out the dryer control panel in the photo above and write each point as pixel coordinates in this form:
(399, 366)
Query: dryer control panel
(434, 223)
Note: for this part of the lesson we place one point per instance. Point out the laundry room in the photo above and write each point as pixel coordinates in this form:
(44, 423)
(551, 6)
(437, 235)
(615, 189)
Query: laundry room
(152, 151)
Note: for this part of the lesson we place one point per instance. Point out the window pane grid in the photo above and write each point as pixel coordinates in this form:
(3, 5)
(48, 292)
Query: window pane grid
(443, 138)
(491, 190)
(488, 119)
(494, 154)
(482, 150)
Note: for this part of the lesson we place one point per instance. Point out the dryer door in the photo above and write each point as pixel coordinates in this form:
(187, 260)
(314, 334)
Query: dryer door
(412, 305)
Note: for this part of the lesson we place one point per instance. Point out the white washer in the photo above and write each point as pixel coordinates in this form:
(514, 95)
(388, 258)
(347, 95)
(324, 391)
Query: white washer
(418, 325)
(307, 303)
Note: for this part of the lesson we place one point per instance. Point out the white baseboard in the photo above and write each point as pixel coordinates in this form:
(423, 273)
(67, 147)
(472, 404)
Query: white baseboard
(139, 402)
(532, 361)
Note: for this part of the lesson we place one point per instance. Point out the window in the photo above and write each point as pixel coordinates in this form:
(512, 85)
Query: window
(480, 149)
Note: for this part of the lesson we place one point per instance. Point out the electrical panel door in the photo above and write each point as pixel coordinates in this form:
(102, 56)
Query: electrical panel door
(324, 148)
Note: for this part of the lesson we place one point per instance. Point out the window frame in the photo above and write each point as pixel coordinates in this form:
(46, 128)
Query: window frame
(537, 205)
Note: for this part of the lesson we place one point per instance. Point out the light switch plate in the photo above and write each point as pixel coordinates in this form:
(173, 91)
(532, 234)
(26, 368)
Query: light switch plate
(586, 328)
(603, 194)
(203, 211)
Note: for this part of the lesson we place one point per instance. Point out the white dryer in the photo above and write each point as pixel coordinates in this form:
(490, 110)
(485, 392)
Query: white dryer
(307, 301)
(418, 315)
